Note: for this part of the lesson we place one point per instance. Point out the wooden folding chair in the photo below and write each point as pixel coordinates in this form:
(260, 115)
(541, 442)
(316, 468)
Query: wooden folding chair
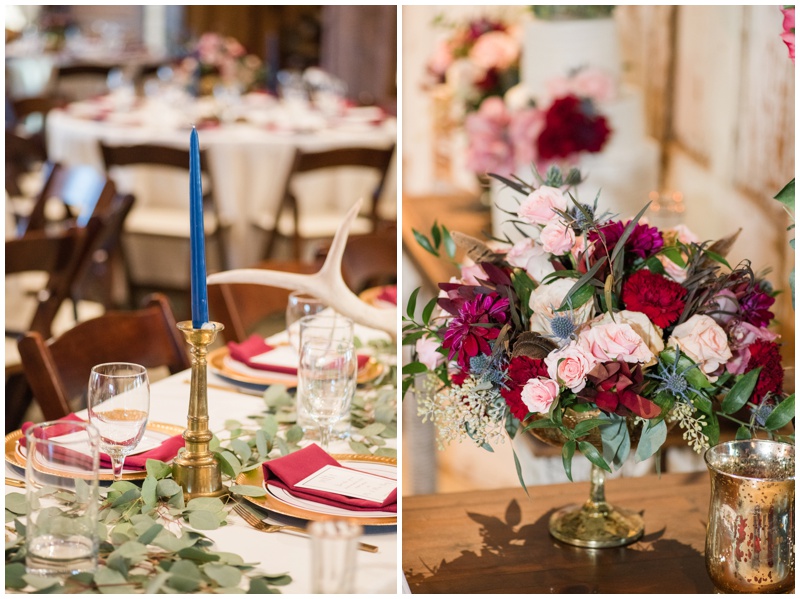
(300, 229)
(148, 218)
(58, 370)
(369, 260)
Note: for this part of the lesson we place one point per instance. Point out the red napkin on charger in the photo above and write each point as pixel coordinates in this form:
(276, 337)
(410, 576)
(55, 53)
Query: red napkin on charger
(287, 471)
(164, 452)
(389, 294)
(245, 351)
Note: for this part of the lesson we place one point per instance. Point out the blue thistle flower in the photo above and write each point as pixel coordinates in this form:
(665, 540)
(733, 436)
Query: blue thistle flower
(672, 379)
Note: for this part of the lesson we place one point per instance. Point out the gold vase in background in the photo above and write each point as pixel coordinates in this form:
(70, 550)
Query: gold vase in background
(750, 536)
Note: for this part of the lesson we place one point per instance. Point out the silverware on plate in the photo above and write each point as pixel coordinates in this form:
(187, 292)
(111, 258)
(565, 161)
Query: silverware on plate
(256, 522)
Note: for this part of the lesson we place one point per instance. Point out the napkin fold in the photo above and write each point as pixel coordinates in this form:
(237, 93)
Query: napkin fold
(287, 471)
(389, 294)
(164, 452)
(247, 351)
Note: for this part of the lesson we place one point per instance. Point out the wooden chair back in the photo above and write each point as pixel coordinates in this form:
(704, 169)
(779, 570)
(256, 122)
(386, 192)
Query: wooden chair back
(241, 307)
(21, 154)
(60, 256)
(371, 259)
(58, 370)
(82, 190)
(306, 162)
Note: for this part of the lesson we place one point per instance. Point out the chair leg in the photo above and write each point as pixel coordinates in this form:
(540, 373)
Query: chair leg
(18, 398)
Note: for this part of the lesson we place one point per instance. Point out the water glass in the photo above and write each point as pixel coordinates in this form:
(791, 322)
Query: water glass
(326, 327)
(119, 404)
(62, 462)
(333, 555)
(328, 380)
(300, 305)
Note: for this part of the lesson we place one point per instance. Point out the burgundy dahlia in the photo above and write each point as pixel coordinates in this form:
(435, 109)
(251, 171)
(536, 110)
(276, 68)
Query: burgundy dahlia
(520, 370)
(770, 380)
(659, 298)
(571, 126)
(469, 333)
(644, 241)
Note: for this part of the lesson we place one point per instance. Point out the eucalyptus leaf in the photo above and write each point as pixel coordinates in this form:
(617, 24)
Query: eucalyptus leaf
(241, 449)
(110, 581)
(203, 520)
(386, 452)
(149, 490)
(359, 448)
(157, 469)
(248, 490)
(294, 434)
(15, 576)
(184, 576)
(197, 555)
(17, 503)
(653, 437)
(150, 534)
(223, 575)
(371, 430)
(168, 487)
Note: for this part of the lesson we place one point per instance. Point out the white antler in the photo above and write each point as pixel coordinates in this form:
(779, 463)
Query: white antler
(327, 284)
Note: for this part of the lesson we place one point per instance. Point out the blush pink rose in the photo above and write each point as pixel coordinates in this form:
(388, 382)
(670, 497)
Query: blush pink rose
(570, 365)
(704, 341)
(537, 208)
(741, 336)
(441, 59)
(530, 256)
(593, 83)
(470, 273)
(524, 130)
(672, 270)
(488, 145)
(685, 234)
(557, 238)
(427, 354)
(495, 50)
(539, 394)
(615, 341)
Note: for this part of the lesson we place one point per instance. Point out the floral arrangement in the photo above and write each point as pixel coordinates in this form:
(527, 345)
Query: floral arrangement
(501, 137)
(217, 59)
(788, 29)
(643, 328)
(564, 12)
(479, 59)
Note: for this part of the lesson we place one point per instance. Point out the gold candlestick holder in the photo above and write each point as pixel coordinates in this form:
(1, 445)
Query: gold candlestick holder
(196, 469)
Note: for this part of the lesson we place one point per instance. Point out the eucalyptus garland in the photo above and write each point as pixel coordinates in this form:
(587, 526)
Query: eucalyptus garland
(152, 541)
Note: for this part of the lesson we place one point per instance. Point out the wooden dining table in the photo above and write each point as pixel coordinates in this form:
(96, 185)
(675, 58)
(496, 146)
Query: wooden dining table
(497, 541)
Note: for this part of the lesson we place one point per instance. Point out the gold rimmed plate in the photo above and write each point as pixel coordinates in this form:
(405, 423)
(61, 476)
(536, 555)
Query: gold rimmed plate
(15, 457)
(221, 363)
(281, 502)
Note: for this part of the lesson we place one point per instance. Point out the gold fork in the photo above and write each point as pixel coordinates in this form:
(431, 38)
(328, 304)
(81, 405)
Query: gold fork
(259, 524)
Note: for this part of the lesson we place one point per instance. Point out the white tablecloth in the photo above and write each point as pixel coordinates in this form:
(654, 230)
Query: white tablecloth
(276, 552)
(248, 161)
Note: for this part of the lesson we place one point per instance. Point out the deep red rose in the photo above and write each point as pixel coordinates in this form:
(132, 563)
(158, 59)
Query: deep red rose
(770, 380)
(659, 298)
(520, 370)
(614, 387)
(571, 126)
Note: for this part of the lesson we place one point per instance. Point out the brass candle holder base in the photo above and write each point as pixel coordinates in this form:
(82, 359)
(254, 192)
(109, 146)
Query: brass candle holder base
(196, 469)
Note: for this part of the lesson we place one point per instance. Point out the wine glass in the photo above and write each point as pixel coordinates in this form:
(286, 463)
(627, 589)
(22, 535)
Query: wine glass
(328, 379)
(119, 404)
(300, 305)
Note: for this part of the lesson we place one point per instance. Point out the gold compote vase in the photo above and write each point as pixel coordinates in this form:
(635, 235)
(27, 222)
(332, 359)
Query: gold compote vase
(596, 523)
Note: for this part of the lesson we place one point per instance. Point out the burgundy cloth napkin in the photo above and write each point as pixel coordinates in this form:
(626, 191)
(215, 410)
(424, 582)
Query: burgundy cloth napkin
(255, 345)
(245, 351)
(164, 452)
(287, 471)
(389, 294)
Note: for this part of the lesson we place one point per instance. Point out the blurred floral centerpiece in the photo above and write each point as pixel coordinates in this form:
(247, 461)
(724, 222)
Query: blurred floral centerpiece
(216, 59)
(479, 59)
(597, 333)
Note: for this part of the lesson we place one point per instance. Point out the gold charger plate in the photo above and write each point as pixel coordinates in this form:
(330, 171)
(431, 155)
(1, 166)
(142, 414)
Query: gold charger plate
(216, 360)
(15, 458)
(271, 503)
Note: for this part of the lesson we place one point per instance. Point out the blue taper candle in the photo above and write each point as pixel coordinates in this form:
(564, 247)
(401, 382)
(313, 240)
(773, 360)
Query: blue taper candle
(198, 241)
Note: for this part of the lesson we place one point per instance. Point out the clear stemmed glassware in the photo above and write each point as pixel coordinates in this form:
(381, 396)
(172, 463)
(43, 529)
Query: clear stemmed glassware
(300, 305)
(328, 378)
(119, 404)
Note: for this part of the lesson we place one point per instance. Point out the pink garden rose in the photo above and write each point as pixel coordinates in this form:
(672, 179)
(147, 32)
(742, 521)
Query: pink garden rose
(471, 272)
(524, 130)
(685, 234)
(593, 83)
(672, 270)
(557, 238)
(570, 365)
(427, 354)
(788, 30)
(704, 341)
(441, 59)
(531, 257)
(539, 394)
(742, 335)
(537, 208)
(615, 341)
(495, 50)
(643, 326)
(489, 149)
